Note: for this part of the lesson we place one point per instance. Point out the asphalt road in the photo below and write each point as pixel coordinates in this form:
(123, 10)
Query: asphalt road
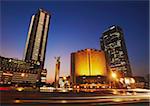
(105, 97)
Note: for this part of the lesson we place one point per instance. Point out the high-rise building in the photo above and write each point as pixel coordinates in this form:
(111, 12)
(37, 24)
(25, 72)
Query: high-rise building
(113, 44)
(86, 64)
(37, 37)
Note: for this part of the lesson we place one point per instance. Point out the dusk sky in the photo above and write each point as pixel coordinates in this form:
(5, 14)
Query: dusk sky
(75, 26)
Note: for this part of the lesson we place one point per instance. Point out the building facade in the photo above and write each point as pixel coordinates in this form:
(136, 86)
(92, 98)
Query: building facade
(113, 44)
(88, 62)
(14, 71)
(37, 37)
(43, 76)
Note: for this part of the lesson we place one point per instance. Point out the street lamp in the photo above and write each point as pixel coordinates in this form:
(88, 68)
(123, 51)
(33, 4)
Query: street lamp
(23, 74)
(64, 78)
(114, 79)
(114, 75)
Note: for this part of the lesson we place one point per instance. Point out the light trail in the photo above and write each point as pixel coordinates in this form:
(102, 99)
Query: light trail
(93, 99)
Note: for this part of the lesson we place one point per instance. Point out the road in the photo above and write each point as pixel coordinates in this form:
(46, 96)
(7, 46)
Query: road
(102, 97)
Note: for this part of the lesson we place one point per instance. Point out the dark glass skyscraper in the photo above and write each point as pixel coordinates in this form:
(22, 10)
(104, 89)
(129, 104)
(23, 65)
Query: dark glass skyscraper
(113, 44)
(37, 37)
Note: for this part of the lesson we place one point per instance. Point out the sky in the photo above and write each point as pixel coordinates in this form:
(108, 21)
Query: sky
(77, 25)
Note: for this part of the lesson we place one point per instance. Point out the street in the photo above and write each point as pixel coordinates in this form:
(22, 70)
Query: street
(103, 97)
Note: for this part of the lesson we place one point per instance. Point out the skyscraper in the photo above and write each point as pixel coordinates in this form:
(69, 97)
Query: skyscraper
(113, 44)
(37, 37)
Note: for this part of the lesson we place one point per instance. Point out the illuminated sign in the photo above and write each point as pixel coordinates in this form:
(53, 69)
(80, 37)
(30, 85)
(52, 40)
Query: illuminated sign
(9, 74)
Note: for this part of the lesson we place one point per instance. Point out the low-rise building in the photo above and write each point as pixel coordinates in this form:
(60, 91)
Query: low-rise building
(139, 81)
(14, 71)
(88, 67)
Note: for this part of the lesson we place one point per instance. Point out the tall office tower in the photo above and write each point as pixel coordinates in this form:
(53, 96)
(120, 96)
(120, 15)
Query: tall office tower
(37, 38)
(113, 44)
